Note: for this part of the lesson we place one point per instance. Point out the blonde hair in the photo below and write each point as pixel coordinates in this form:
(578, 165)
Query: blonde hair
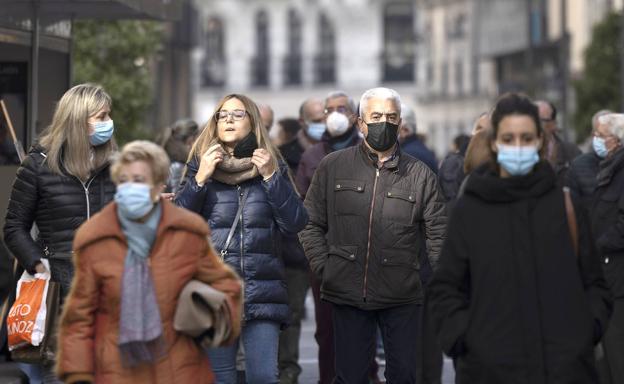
(142, 150)
(66, 139)
(209, 135)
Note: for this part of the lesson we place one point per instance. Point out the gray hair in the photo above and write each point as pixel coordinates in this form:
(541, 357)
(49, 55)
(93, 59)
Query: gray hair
(602, 112)
(615, 123)
(379, 93)
(337, 94)
(408, 117)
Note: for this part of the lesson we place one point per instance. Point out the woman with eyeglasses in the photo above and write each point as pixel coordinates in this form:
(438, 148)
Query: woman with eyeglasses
(519, 295)
(607, 213)
(236, 179)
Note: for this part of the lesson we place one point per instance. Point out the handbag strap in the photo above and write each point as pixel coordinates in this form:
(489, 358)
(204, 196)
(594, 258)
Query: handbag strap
(573, 226)
(239, 212)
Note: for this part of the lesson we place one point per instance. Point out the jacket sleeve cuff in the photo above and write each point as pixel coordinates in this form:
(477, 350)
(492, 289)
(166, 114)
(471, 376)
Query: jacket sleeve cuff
(79, 377)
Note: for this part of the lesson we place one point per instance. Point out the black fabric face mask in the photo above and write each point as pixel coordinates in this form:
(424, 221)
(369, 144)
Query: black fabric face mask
(382, 136)
(247, 146)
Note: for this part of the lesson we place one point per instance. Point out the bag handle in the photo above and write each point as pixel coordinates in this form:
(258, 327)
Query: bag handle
(572, 224)
(239, 213)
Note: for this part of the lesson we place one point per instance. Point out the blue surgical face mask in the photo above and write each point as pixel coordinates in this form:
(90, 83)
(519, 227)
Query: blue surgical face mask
(134, 200)
(316, 130)
(600, 147)
(103, 131)
(517, 160)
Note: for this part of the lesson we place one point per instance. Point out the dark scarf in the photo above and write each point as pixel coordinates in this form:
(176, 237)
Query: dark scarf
(233, 171)
(609, 166)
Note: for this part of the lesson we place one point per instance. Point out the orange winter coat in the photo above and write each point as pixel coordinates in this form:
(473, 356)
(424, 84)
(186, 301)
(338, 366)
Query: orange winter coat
(89, 327)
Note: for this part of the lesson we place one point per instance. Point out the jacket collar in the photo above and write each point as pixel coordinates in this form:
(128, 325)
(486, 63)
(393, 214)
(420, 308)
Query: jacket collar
(105, 224)
(373, 159)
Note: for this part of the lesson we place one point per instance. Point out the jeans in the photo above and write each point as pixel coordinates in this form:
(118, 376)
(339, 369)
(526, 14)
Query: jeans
(260, 340)
(355, 341)
(297, 283)
(39, 374)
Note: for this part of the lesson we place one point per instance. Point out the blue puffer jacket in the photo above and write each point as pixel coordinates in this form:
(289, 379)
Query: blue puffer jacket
(272, 208)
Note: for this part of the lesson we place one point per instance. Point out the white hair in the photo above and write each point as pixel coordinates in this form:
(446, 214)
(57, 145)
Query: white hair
(408, 117)
(615, 123)
(597, 116)
(336, 94)
(379, 93)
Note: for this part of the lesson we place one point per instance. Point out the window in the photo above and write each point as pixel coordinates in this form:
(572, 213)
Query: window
(444, 81)
(325, 61)
(260, 63)
(399, 42)
(213, 64)
(459, 77)
(292, 62)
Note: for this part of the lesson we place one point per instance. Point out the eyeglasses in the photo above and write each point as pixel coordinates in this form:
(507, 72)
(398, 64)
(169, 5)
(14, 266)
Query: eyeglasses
(237, 114)
(339, 109)
(606, 137)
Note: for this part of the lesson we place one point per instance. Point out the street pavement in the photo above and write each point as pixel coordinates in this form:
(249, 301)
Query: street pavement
(308, 351)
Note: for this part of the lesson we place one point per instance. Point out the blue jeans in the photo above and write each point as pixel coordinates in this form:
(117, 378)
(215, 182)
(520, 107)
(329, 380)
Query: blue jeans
(260, 341)
(39, 374)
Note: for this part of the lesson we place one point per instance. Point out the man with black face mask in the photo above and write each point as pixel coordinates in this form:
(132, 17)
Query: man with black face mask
(371, 207)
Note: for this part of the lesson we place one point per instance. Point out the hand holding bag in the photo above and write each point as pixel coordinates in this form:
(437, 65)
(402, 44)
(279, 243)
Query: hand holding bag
(32, 318)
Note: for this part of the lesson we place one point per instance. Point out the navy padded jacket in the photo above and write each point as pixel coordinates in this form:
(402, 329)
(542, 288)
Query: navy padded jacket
(272, 209)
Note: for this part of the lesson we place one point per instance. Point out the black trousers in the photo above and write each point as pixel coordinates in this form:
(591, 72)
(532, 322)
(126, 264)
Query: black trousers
(355, 339)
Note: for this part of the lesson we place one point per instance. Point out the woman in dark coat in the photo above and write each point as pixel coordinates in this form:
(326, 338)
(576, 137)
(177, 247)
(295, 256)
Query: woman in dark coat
(512, 300)
(234, 165)
(63, 181)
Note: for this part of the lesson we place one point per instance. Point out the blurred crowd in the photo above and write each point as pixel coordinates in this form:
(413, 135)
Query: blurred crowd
(504, 255)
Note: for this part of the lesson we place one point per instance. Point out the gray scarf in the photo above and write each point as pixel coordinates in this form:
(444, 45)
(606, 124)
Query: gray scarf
(140, 328)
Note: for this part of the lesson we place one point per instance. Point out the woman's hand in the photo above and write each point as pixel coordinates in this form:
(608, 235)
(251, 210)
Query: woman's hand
(262, 160)
(208, 163)
(167, 196)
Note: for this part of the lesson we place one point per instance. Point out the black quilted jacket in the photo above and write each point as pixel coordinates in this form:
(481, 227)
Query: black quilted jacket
(58, 204)
(367, 227)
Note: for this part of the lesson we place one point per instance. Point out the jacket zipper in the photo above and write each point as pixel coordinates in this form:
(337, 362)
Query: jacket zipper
(370, 229)
(240, 202)
(86, 190)
(242, 262)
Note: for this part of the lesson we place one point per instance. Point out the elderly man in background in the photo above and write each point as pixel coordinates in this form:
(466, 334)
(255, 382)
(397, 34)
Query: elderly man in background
(411, 143)
(371, 208)
(607, 217)
(581, 177)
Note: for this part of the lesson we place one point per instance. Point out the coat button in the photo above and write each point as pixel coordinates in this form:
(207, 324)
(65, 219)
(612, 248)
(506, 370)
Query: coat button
(352, 256)
(410, 197)
(359, 188)
(389, 193)
(606, 260)
(385, 260)
(337, 185)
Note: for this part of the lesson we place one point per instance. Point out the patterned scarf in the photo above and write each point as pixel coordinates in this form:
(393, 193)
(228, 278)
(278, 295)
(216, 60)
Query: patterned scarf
(141, 337)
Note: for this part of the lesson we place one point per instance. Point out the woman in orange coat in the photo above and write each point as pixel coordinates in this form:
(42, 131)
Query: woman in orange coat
(132, 260)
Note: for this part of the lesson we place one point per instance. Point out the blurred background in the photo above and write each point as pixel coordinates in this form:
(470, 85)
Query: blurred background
(165, 60)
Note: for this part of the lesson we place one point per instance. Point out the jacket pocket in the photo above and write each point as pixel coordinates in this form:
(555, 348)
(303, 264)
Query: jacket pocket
(350, 198)
(399, 205)
(400, 277)
(341, 269)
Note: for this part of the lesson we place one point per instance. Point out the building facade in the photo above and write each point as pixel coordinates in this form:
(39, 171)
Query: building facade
(281, 52)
